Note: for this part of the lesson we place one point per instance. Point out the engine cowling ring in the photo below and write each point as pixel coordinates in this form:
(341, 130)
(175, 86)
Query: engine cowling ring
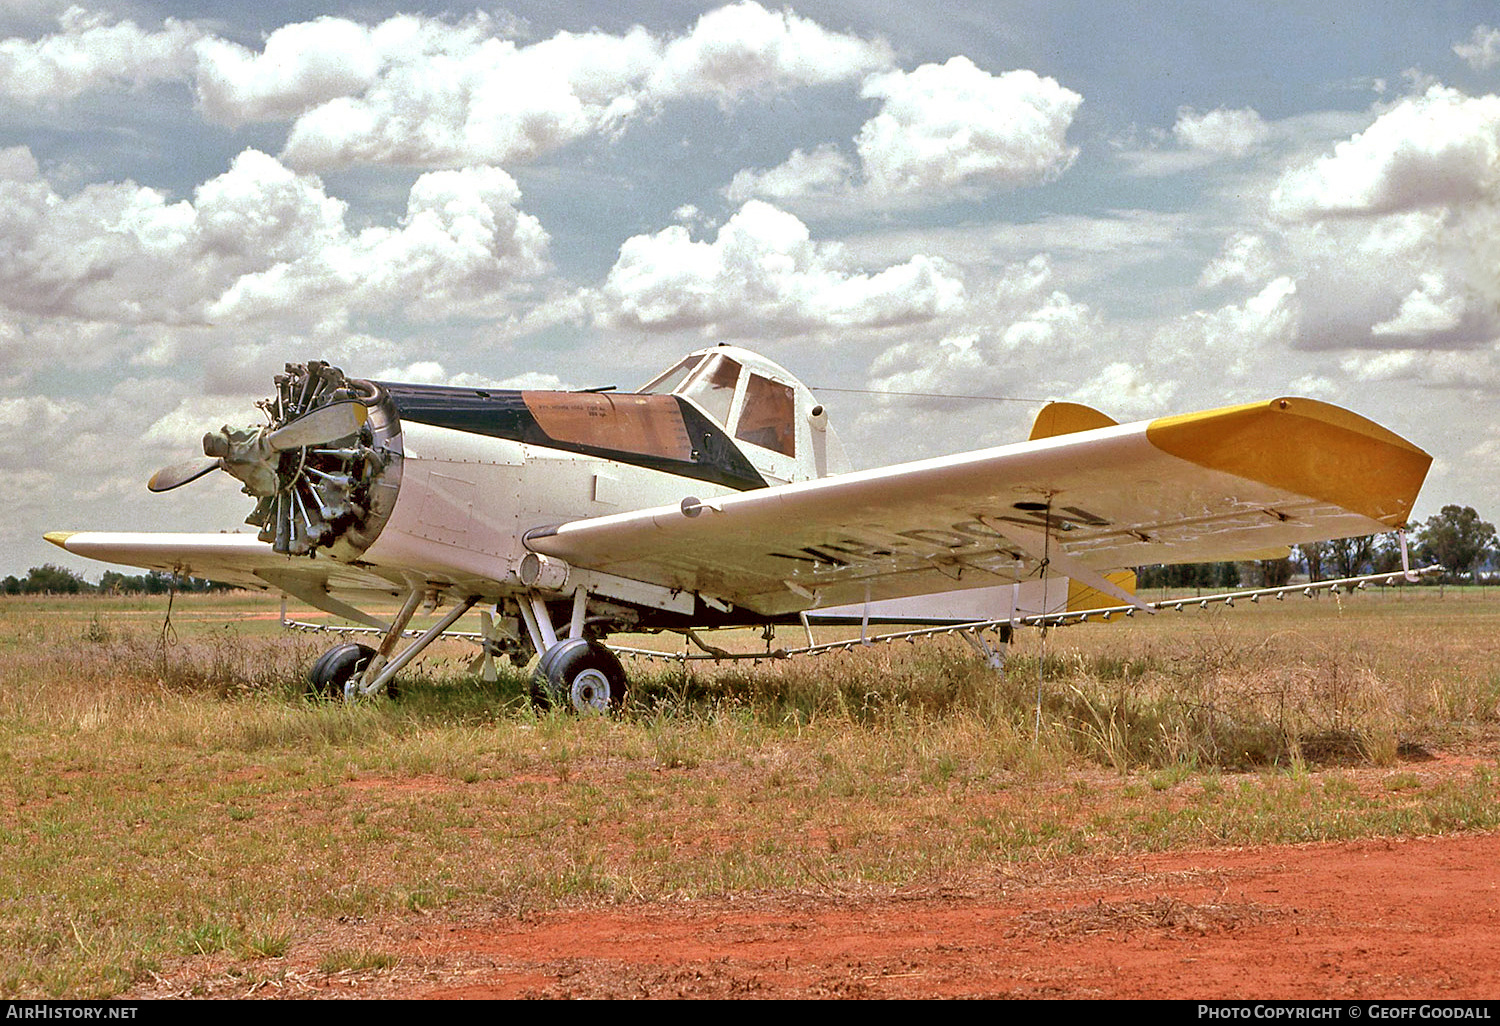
(336, 495)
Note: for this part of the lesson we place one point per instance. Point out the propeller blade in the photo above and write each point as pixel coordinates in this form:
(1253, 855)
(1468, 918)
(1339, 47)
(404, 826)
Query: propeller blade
(325, 424)
(179, 474)
(484, 663)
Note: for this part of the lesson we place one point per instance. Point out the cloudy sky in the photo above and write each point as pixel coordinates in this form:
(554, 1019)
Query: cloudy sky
(1148, 207)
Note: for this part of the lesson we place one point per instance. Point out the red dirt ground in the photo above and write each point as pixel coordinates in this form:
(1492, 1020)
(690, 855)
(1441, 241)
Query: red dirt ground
(1383, 919)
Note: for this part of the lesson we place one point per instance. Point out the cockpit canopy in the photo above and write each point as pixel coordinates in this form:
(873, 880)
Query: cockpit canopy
(752, 398)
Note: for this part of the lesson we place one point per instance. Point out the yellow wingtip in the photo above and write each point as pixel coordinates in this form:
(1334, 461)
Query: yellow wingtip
(1304, 446)
(59, 538)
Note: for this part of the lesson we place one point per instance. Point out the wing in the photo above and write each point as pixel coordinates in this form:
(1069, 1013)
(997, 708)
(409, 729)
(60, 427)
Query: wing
(239, 559)
(1224, 484)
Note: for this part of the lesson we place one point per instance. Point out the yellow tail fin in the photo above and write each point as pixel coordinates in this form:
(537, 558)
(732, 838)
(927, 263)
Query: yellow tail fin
(1065, 418)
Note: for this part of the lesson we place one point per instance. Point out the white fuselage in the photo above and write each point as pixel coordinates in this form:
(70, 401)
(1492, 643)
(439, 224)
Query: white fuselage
(467, 501)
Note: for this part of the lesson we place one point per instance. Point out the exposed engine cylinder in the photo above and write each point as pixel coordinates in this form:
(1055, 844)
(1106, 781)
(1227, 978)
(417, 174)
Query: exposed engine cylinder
(328, 493)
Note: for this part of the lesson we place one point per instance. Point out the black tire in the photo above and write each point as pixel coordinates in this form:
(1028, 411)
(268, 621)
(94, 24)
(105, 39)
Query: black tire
(319, 668)
(338, 667)
(580, 675)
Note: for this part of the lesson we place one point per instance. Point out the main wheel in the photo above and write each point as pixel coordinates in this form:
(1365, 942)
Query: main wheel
(337, 667)
(319, 668)
(581, 675)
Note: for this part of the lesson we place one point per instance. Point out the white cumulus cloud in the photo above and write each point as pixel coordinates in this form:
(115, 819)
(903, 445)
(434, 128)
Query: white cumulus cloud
(823, 171)
(1442, 147)
(744, 48)
(1037, 332)
(1431, 307)
(299, 67)
(460, 247)
(258, 241)
(1477, 369)
(764, 274)
(1223, 132)
(425, 92)
(1482, 51)
(421, 91)
(1267, 318)
(458, 96)
(430, 372)
(1245, 258)
(1126, 391)
(943, 131)
(91, 53)
(1390, 236)
(953, 126)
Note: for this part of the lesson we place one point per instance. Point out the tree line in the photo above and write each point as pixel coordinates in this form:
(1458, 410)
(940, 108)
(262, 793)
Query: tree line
(1455, 537)
(51, 579)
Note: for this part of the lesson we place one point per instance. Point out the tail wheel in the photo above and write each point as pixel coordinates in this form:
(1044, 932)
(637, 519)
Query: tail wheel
(581, 675)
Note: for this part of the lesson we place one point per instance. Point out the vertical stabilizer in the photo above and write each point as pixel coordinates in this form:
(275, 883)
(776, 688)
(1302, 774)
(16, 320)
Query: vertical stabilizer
(1066, 418)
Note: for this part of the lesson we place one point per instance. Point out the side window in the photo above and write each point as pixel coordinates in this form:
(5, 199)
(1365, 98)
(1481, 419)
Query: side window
(769, 416)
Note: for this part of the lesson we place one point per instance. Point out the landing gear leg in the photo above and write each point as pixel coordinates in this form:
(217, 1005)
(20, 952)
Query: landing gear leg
(995, 659)
(354, 671)
(363, 684)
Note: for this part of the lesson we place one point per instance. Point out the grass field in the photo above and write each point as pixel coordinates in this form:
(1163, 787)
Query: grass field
(170, 793)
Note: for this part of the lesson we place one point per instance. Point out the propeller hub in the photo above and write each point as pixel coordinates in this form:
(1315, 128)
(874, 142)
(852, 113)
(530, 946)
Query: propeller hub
(325, 469)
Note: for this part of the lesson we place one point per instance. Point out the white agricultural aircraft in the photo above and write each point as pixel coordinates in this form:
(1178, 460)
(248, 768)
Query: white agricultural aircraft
(718, 495)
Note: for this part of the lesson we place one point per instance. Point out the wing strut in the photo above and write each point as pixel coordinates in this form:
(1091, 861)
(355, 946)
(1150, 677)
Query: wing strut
(995, 660)
(1041, 657)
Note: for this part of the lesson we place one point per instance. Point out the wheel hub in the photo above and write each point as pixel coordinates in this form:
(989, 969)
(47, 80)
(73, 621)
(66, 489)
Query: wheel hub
(590, 692)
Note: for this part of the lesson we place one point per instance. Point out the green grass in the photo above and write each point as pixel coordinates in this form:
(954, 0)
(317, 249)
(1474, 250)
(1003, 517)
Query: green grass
(178, 798)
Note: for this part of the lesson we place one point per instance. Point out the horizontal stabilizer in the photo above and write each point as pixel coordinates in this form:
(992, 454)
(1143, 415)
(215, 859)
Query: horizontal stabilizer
(1082, 597)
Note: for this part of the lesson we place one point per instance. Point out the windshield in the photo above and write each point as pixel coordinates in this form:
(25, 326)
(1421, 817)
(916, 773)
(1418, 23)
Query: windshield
(668, 382)
(712, 386)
